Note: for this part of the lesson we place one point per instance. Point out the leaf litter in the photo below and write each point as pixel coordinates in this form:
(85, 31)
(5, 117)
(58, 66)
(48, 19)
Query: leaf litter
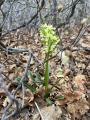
(69, 78)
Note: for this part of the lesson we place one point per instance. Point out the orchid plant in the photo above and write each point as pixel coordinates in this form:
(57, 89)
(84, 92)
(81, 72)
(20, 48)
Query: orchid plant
(49, 40)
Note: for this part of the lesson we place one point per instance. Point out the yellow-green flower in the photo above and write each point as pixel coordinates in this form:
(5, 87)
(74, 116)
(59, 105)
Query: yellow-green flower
(49, 38)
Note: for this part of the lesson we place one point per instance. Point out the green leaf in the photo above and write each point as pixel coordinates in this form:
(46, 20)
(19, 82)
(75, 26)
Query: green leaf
(30, 87)
(30, 74)
(49, 101)
(18, 78)
(38, 78)
(61, 97)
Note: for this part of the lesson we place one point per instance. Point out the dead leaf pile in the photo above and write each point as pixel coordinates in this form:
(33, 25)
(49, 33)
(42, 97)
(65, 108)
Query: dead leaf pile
(69, 75)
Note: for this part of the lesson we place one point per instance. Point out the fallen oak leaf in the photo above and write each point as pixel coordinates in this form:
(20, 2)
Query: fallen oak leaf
(79, 79)
(29, 97)
(78, 108)
(78, 84)
(68, 98)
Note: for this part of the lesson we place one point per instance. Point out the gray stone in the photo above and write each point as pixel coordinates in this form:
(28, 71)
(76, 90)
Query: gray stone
(21, 11)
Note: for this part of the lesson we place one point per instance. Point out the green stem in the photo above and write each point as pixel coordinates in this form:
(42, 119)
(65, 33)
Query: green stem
(47, 71)
(46, 76)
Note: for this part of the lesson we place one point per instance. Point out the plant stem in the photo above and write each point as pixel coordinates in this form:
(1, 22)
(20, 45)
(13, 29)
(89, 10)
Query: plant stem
(46, 76)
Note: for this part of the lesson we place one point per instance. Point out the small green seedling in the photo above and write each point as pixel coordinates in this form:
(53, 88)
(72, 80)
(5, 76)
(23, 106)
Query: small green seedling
(49, 40)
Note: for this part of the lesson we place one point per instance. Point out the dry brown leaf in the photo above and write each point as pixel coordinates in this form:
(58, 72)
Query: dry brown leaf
(12, 67)
(68, 98)
(78, 108)
(78, 83)
(6, 101)
(66, 71)
(11, 76)
(29, 97)
(49, 113)
(61, 102)
(79, 79)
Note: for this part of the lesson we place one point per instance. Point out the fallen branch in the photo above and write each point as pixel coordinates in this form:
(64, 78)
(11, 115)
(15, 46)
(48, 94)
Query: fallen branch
(11, 97)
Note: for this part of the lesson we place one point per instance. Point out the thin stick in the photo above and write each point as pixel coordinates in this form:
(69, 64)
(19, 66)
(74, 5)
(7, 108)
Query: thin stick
(39, 110)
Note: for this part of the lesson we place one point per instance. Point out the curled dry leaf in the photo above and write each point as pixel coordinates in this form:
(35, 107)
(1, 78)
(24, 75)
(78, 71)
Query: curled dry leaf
(79, 82)
(12, 67)
(68, 98)
(49, 113)
(78, 108)
(77, 94)
(79, 79)
(11, 76)
(6, 101)
(66, 71)
(29, 97)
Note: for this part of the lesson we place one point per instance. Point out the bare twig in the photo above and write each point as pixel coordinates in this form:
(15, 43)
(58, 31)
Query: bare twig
(23, 79)
(80, 34)
(10, 96)
(39, 110)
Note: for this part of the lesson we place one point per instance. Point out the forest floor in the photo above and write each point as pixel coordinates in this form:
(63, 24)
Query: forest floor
(69, 81)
